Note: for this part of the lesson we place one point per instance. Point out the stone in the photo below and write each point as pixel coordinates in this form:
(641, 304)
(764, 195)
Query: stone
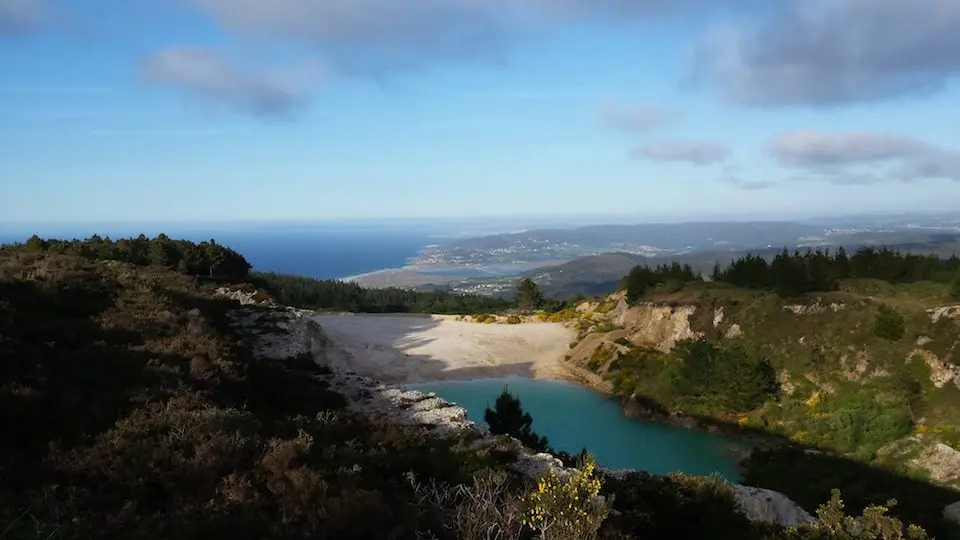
(951, 514)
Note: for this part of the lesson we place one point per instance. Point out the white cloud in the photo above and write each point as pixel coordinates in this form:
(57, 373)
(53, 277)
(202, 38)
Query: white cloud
(863, 157)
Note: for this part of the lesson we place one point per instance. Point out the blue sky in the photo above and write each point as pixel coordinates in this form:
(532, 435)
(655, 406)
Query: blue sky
(329, 109)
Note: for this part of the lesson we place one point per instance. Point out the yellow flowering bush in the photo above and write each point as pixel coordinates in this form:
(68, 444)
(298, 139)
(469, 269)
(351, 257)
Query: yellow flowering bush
(566, 508)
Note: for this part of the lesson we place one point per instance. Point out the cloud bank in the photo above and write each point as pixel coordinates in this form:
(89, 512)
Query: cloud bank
(210, 77)
(863, 157)
(23, 16)
(833, 52)
(699, 153)
(636, 119)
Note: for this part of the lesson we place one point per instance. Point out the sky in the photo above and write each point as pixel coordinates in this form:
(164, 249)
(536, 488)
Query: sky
(199, 110)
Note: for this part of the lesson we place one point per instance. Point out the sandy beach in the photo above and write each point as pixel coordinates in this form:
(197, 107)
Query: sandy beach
(412, 348)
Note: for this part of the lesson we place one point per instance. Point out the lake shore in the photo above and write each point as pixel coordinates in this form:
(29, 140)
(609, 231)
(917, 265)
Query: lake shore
(420, 348)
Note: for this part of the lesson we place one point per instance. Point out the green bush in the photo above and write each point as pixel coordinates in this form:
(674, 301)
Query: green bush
(888, 324)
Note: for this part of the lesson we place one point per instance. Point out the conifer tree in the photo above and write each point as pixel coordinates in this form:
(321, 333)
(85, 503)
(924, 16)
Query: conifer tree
(507, 418)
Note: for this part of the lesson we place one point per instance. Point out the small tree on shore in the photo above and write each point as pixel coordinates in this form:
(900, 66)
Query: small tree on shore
(507, 418)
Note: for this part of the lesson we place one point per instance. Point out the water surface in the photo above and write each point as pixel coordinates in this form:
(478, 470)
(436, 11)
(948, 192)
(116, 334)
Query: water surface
(573, 417)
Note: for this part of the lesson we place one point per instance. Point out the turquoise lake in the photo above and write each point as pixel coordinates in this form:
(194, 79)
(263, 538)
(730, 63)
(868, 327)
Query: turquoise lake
(573, 417)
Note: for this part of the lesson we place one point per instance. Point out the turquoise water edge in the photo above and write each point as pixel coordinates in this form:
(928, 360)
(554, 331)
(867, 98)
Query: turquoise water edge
(573, 417)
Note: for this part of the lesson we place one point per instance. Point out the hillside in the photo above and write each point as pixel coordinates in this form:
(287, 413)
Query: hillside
(600, 274)
(817, 371)
(144, 402)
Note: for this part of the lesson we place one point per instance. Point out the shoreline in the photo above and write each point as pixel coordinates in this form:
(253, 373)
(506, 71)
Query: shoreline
(402, 350)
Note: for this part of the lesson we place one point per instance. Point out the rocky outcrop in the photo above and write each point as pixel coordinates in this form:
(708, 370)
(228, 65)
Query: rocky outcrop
(944, 312)
(941, 371)
(816, 308)
(650, 325)
(764, 505)
(951, 514)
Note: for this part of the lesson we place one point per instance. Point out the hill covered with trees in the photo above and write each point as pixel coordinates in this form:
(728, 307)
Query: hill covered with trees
(851, 356)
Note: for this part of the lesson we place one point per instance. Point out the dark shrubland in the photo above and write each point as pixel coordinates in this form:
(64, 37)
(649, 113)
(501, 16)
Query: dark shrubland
(341, 296)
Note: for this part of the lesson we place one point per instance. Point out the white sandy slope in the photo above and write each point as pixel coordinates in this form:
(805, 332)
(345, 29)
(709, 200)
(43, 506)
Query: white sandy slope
(410, 348)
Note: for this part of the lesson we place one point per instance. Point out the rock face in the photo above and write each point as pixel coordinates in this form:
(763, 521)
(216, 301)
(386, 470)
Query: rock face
(655, 326)
(296, 334)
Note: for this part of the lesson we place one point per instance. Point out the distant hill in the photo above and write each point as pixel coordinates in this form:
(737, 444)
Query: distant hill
(659, 236)
(600, 274)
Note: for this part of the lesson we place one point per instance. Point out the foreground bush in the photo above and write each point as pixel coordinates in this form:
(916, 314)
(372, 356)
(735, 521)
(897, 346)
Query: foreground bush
(566, 508)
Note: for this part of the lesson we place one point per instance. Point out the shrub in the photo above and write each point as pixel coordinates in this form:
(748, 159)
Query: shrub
(566, 508)
(888, 324)
(513, 319)
(874, 523)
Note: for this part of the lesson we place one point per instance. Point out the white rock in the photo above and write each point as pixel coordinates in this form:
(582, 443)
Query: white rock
(765, 505)
(951, 513)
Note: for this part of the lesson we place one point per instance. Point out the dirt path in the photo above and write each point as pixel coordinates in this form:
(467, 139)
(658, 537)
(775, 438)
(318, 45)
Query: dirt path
(402, 348)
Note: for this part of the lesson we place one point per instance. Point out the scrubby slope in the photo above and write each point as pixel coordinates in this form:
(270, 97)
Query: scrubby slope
(840, 383)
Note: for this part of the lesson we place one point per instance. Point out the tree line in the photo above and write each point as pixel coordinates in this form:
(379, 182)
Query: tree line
(790, 274)
(207, 258)
(344, 296)
(642, 278)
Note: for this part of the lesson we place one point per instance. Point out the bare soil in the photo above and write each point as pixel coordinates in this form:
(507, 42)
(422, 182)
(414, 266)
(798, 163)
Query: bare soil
(409, 348)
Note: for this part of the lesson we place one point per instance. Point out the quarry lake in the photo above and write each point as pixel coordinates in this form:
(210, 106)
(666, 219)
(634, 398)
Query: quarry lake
(573, 417)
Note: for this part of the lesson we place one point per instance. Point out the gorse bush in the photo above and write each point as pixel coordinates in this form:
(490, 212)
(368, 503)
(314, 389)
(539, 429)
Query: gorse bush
(566, 508)
(873, 523)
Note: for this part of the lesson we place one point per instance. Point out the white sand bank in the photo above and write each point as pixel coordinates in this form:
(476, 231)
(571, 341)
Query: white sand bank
(402, 348)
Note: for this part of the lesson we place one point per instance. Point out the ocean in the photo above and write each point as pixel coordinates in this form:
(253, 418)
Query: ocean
(323, 253)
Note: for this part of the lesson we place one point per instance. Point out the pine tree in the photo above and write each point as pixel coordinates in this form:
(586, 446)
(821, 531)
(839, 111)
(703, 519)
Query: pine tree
(507, 418)
(529, 295)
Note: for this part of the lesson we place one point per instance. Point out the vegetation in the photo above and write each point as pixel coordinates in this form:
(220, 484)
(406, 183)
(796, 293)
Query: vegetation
(342, 296)
(566, 508)
(820, 270)
(134, 408)
(508, 418)
(529, 296)
(206, 258)
(643, 278)
(792, 274)
(697, 377)
(888, 324)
